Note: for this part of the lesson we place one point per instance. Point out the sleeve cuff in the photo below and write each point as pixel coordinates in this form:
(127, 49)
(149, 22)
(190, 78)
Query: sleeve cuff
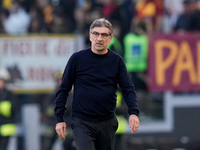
(59, 119)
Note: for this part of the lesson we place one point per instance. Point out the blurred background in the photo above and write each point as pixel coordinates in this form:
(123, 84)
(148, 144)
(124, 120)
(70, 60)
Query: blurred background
(159, 41)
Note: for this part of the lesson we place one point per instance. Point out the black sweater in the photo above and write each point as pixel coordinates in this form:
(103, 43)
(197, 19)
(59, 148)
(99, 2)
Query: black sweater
(95, 79)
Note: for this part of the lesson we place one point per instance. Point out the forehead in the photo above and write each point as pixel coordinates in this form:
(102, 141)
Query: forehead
(101, 29)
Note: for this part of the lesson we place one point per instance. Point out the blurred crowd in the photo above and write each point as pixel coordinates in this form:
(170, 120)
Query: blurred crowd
(75, 16)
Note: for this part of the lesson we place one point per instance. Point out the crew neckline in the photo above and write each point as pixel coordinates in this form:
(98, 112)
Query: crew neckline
(99, 55)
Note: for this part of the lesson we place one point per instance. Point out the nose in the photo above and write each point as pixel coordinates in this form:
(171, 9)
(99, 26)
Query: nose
(99, 37)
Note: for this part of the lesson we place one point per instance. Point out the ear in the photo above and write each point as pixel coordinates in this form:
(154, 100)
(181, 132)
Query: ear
(110, 38)
(90, 37)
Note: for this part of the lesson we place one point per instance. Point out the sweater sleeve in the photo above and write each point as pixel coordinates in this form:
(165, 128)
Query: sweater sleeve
(64, 89)
(128, 89)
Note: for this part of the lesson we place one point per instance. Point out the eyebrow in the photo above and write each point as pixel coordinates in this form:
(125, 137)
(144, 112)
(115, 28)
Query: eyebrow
(101, 33)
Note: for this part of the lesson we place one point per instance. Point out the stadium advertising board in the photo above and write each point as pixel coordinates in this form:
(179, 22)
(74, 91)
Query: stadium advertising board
(33, 60)
(174, 62)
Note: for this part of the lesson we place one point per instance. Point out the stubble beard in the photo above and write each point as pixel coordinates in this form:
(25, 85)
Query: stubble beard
(99, 48)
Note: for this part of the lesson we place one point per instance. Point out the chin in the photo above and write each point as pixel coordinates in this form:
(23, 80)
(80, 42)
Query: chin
(99, 49)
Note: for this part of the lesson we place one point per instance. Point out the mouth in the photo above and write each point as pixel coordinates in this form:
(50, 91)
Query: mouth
(99, 44)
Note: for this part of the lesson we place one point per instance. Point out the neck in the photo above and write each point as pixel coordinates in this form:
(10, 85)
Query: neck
(100, 52)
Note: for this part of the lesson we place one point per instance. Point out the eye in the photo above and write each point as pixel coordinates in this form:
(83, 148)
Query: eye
(96, 33)
(104, 34)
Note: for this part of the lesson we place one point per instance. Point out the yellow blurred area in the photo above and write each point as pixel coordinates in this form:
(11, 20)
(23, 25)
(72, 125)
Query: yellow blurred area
(146, 10)
(7, 3)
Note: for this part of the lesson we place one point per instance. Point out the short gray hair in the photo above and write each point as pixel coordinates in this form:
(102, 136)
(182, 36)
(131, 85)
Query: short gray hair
(102, 22)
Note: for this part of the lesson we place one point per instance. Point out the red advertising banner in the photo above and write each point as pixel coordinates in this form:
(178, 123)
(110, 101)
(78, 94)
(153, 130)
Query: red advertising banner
(174, 62)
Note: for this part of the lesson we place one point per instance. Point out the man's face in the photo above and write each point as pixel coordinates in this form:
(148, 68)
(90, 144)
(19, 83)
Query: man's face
(100, 37)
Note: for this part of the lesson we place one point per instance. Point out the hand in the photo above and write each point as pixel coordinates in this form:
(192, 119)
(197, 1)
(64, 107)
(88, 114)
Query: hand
(61, 129)
(134, 123)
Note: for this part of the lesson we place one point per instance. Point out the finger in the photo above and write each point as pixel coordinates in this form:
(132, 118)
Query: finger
(135, 128)
(61, 134)
(132, 126)
(58, 131)
(131, 123)
(64, 130)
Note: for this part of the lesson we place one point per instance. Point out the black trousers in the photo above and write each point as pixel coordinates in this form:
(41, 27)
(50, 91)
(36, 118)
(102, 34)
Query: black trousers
(94, 135)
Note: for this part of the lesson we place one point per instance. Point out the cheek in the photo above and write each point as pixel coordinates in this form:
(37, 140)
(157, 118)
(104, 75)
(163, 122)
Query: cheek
(109, 41)
(90, 37)
(91, 40)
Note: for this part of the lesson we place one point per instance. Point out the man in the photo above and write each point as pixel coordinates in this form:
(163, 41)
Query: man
(7, 111)
(95, 73)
